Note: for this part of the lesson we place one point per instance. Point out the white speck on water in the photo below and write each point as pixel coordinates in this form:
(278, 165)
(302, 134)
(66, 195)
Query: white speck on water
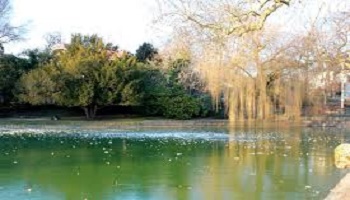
(15, 162)
(170, 160)
(307, 187)
(178, 154)
(52, 153)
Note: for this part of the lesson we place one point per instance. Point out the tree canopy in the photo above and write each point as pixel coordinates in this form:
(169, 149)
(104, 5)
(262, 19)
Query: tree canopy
(11, 69)
(83, 75)
(146, 52)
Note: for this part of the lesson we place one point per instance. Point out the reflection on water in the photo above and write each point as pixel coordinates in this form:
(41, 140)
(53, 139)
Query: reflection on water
(179, 164)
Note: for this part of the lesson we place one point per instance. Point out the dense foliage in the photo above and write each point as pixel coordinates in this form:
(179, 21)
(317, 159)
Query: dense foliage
(11, 69)
(146, 52)
(90, 74)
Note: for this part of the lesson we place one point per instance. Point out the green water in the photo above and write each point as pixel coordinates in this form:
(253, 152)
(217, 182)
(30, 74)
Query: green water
(168, 164)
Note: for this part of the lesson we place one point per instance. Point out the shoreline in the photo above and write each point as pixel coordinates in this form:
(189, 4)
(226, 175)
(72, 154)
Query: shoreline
(342, 190)
(340, 122)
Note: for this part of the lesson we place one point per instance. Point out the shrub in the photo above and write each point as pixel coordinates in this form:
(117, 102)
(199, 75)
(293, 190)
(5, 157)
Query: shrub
(181, 107)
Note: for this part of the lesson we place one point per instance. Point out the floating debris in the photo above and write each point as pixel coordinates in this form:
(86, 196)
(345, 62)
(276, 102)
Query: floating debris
(307, 187)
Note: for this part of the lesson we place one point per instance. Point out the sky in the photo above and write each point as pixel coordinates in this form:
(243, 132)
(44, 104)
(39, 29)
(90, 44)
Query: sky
(126, 23)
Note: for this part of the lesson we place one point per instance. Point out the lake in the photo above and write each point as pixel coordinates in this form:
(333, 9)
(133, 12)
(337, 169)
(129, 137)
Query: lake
(175, 163)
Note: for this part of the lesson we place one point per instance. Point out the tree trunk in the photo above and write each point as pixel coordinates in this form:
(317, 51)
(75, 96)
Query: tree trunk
(90, 111)
(242, 103)
(232, 107)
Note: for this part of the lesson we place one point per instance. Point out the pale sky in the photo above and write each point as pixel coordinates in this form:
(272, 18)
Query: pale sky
(127, 23)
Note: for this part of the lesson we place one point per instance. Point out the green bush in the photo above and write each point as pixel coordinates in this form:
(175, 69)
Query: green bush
(205, 105)
(181, 107)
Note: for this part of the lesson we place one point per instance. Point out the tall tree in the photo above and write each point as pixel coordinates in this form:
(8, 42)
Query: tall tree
(8, 32)
(220, 17)
(146, 52)
(219, 27)
(11, 69)
(83, 76)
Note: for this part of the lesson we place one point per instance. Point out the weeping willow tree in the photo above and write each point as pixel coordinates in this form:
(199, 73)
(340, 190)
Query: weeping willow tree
(252, 77)
(221, 28)
(255, 69)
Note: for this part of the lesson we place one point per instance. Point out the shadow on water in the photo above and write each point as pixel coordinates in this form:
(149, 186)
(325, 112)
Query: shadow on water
(210, 163)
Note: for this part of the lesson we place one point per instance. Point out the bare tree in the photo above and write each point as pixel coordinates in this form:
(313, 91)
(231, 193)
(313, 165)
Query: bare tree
(53, 39)
(8, 32)
(221, 17)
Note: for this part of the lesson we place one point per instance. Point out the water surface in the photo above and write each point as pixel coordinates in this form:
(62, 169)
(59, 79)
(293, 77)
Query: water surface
(37, 163)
